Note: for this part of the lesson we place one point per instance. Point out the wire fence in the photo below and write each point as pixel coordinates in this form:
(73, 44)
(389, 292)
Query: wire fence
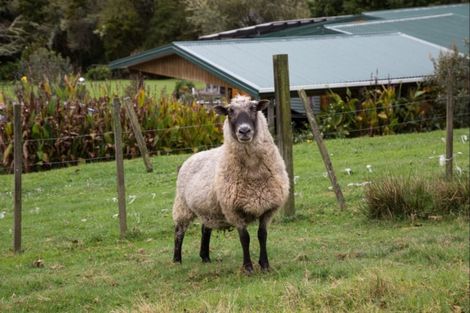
(356, 174)
(92, 135)
(166, 151)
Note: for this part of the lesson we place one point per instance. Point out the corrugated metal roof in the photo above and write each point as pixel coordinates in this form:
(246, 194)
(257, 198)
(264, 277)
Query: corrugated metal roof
(441, 25)
(315, 63)
(458, 9)
(260, 29)
(317, 28)
(297, 105)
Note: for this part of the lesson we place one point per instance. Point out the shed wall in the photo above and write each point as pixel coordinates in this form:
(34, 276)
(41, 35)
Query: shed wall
(176, 67)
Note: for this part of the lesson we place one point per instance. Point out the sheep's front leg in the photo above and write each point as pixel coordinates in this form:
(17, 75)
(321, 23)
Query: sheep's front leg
(245, 241)
(262, 238)
(205, 240)
(179, 236)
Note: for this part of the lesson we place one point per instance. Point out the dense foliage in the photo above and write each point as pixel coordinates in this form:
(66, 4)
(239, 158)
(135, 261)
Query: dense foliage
(381, 111)
(452, 77)
(88, 31)
(212, 16)
(62, 126)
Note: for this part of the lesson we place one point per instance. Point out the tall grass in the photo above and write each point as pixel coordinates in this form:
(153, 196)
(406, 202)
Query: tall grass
(417, 197)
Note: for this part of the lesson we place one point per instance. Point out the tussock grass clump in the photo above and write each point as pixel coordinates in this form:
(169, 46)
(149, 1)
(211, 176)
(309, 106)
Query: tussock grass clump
(417, 197)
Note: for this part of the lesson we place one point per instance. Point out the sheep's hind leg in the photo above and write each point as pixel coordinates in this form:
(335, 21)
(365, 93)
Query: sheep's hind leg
(180, 229)
(205, 240)
(245, 241)
(262, 238)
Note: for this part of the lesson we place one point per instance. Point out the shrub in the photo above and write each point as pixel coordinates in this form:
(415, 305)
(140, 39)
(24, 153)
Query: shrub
(9, 71)
(380, 111)
(99, 72)
(453, 68)
(399, 198)
(183, 91)
(44, 64)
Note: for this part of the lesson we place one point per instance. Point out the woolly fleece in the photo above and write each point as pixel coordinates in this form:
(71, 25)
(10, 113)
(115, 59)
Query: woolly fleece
(234, 184)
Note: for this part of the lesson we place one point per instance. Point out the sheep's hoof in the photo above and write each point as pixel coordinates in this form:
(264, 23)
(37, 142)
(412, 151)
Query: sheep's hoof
(264, 267)
(206, 259)
(248, 268)
(177, 260)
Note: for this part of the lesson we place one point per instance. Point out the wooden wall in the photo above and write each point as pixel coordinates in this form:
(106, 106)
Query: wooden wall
(176, 67)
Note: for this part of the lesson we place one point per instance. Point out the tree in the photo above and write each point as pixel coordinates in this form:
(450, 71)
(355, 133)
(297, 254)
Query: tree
(121, 27)
(76, 37)
(22, 24)
(454, 67)
(211, 16)
(168, 23)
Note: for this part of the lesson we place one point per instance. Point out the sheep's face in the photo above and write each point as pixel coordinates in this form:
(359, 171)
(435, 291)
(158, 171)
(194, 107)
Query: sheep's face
(242, 114)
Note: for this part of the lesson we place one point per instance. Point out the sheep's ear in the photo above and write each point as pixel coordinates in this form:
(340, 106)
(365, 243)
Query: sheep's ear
(262, 104)
(221, 110)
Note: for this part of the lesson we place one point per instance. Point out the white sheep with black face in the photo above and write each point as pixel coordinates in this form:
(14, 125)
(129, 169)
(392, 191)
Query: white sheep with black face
(235, 184)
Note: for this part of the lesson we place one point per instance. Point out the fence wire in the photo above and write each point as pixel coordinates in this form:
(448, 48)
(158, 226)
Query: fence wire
(416, 122)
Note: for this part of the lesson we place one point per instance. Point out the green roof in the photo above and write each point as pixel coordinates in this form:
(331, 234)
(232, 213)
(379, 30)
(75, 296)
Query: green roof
(457, 9)
(315, 62)
(441, 25)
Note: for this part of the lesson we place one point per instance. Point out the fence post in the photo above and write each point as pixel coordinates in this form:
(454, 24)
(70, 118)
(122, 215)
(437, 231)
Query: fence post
(121, 189)
(18, 169)
(323, 151)
(284, 127)
(138, 134)
(449, 126)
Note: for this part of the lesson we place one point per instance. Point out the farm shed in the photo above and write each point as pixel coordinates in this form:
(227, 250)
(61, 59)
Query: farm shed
(317, 63)
(374, 48)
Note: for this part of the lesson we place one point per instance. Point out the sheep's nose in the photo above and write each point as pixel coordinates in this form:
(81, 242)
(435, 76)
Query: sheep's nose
(244, 130)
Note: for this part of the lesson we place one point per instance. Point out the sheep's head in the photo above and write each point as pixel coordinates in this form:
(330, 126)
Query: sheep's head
(242, 114)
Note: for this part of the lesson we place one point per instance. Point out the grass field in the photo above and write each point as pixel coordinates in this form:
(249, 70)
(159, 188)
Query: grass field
(111, 87)
(323, 260)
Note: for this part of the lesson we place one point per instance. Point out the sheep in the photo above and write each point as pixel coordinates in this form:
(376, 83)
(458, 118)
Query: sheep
(233, 185)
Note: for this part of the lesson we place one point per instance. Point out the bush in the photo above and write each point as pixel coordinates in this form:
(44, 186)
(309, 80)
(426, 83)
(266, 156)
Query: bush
(45, 64)
(9, 71)
(183, 91)
(399, 198)
(380, 111)
(453, 68)
(99, 72)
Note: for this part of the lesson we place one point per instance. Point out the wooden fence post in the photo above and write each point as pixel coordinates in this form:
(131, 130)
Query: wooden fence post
(284, 127)
(322, 148)
(18, 169)
(449, 126)
(138, 134)
(121, 189)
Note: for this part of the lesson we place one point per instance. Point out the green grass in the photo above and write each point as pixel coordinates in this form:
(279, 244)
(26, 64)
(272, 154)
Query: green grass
(323, 260)
(116, 86)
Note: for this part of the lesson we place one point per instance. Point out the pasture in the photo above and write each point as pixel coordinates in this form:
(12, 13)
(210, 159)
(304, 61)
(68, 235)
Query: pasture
(96, 89)
(323, 260)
